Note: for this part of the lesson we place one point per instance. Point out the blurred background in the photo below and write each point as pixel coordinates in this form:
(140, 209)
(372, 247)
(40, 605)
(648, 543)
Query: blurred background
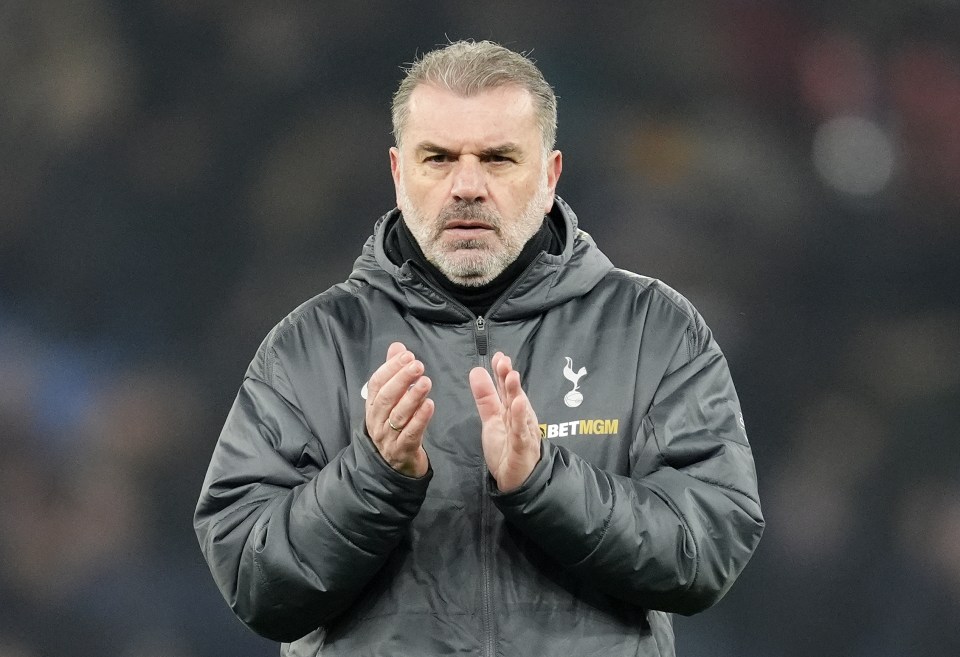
(177, 175)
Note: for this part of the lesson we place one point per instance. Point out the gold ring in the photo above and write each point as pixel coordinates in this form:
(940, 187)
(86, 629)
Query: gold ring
(393, 426)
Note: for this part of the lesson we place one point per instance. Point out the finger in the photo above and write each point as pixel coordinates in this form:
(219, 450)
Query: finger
(502, 369)
(527, 422)
(375, 412)
(501, 366)
(394, 349)
(386, 372)
(387, 369)
(484, 394)
(404, 452)
(509, 384)
(407, 405)
(525, 442)
(517, 438)
(411, 437)
(393, 390)
(495, 369)
(410, 441)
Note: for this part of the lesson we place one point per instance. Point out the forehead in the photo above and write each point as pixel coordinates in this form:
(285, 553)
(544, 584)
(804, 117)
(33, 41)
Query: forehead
(497, 115)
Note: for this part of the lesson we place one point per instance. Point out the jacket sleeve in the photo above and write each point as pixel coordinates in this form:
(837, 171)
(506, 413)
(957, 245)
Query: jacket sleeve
(676, 533)
(291, 546)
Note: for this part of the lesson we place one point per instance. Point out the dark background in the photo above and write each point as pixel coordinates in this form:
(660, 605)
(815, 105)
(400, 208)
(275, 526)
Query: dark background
(177, 175)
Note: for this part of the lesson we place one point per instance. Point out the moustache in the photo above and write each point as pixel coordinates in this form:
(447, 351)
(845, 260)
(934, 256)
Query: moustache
(465, 211)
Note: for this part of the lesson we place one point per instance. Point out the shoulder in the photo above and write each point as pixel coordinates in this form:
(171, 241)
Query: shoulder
(652, 292)
(311, 327)
(660, 308)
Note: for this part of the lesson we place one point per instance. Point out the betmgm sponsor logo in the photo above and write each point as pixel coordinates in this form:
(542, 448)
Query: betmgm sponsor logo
(592, 427)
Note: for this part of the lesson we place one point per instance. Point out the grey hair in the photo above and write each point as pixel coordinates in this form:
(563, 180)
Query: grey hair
(470, 67)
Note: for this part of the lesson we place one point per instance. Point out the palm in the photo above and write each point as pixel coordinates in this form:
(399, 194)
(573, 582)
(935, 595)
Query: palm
(494, 439)
(511, 440)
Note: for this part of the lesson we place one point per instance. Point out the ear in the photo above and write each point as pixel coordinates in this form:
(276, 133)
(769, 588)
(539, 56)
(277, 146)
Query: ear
(554, 169)
(395, 171)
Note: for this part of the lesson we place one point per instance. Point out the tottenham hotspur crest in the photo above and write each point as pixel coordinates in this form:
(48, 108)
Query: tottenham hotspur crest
(573, 398)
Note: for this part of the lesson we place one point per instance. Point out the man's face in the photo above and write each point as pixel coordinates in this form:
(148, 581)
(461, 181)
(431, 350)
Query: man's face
(471, 178)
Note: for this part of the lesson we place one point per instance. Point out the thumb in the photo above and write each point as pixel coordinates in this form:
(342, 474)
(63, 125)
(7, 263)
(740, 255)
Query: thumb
(484, 393)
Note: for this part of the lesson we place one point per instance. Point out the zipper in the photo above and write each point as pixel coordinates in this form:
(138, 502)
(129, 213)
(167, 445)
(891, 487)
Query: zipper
(486, 569)
(480, 335)
(481, 339)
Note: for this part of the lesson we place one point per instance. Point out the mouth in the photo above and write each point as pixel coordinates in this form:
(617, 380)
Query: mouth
(466, 229)
(467, 224)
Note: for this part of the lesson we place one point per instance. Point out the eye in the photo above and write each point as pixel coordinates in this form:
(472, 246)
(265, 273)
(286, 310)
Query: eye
(498, 159)
(438, 158)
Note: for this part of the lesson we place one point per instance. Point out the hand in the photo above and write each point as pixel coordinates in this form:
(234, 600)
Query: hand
(398, 411)
(510, 435)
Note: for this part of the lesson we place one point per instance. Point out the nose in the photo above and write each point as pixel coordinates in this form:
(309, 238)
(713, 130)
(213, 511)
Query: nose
(469, 180)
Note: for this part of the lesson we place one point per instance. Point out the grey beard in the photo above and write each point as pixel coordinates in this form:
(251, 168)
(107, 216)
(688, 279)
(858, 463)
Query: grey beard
(489, 262)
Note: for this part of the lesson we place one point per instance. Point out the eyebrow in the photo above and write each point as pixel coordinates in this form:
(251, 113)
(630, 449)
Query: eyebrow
(503, 149)
(430, 147)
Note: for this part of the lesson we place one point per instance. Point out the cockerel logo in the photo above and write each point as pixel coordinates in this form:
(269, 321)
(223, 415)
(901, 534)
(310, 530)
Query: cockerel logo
(573, 398)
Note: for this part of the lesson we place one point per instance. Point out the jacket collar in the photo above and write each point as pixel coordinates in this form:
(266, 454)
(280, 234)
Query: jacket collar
(549, 280)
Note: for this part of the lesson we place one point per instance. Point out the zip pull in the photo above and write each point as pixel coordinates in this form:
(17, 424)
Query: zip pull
(481, 336)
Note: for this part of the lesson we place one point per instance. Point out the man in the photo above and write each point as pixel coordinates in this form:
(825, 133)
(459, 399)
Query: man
(448, 498)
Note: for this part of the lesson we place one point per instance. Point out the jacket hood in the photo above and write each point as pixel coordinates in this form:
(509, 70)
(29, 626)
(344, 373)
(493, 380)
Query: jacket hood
(550, 280)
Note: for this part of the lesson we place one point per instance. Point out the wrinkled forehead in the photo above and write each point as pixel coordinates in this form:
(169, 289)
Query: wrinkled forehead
(500, 114)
